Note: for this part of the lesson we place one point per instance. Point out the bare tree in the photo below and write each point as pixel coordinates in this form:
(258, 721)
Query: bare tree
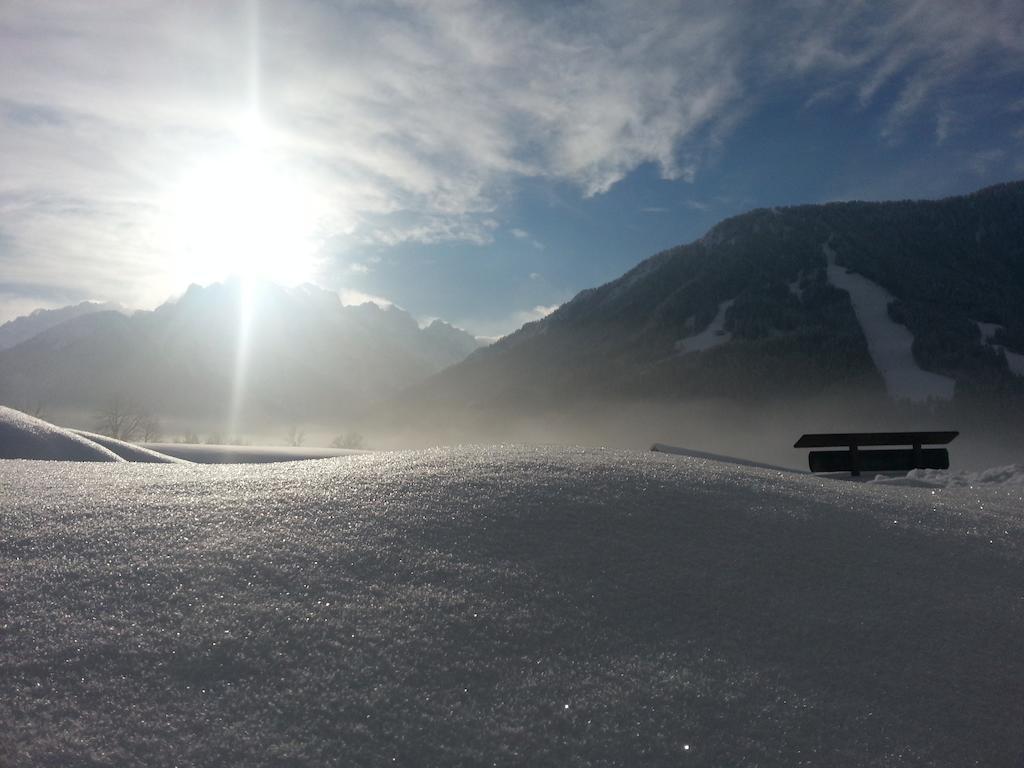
(149, 429)
(121, 418)
(36, 408)
(296, 435)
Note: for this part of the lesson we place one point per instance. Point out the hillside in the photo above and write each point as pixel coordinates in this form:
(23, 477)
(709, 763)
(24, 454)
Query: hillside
(293, 354)
(504, 605)
(784, 305)
(24, 328)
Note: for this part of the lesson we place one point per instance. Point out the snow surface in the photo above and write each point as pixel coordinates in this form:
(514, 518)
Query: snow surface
(1011, 475)
(507, 605)
(679, 451)
(128, 451)
(889, 343)
(712, 336)
(26, 437)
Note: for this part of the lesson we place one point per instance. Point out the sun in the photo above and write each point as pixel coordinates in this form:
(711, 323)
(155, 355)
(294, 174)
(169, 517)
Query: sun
(241, 213)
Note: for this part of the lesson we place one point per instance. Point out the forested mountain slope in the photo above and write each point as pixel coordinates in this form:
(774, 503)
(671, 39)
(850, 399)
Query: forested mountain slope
(750, 311)
(273, 352)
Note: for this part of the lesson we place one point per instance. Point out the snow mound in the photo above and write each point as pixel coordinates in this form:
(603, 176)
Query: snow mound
(506, 605)
(26, 437)
(1010, 475)
(889, 343)
(129, 451)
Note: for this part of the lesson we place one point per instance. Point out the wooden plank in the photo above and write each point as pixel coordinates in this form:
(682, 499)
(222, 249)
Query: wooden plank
(892, 460)
(874, 438)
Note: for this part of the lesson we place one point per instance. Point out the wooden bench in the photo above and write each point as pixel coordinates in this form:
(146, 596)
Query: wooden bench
(855, 461)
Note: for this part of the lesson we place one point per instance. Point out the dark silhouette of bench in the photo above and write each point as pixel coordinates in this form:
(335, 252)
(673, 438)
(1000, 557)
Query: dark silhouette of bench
(855, 461)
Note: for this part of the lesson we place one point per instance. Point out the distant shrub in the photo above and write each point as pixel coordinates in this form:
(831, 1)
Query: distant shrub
(349, 440)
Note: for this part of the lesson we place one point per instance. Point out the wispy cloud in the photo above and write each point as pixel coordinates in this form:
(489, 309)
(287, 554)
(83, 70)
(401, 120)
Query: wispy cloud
(522, 234)
(494, 329)
(412, 121)
(982, 162)
(910, 54)
(538, 312)
(945, 125)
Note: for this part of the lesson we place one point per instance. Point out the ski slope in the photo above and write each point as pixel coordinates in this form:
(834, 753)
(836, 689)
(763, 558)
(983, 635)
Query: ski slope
(505, 605)
(1014, 360)
(889, 343)
(712, 336)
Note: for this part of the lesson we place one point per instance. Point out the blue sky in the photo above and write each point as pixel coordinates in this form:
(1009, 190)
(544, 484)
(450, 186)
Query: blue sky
(478, 162)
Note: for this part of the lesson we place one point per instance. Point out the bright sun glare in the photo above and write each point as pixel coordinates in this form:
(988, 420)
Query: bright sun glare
(242, 213)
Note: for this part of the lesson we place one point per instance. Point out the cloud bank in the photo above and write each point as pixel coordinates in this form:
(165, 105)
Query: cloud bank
(411, 121)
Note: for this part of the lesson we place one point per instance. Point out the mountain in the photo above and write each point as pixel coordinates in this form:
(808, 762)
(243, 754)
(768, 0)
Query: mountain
(23, 328)
(894, 302)
(265, 352)
(448, 340)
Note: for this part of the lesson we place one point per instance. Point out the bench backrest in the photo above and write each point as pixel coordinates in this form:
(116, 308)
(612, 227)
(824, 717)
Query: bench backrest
(855, 460)
(875, 438)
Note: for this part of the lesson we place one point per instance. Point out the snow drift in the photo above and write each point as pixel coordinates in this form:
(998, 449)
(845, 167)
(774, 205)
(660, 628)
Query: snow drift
(245, 454)
(1011, 475)
(129, 451)
(26, 437)
(505, 606)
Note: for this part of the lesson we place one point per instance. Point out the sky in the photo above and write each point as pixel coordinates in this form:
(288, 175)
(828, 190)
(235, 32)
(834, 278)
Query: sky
(480, 162)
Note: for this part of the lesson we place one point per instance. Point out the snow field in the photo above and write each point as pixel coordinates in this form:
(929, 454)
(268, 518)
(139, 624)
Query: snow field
(504, 606)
